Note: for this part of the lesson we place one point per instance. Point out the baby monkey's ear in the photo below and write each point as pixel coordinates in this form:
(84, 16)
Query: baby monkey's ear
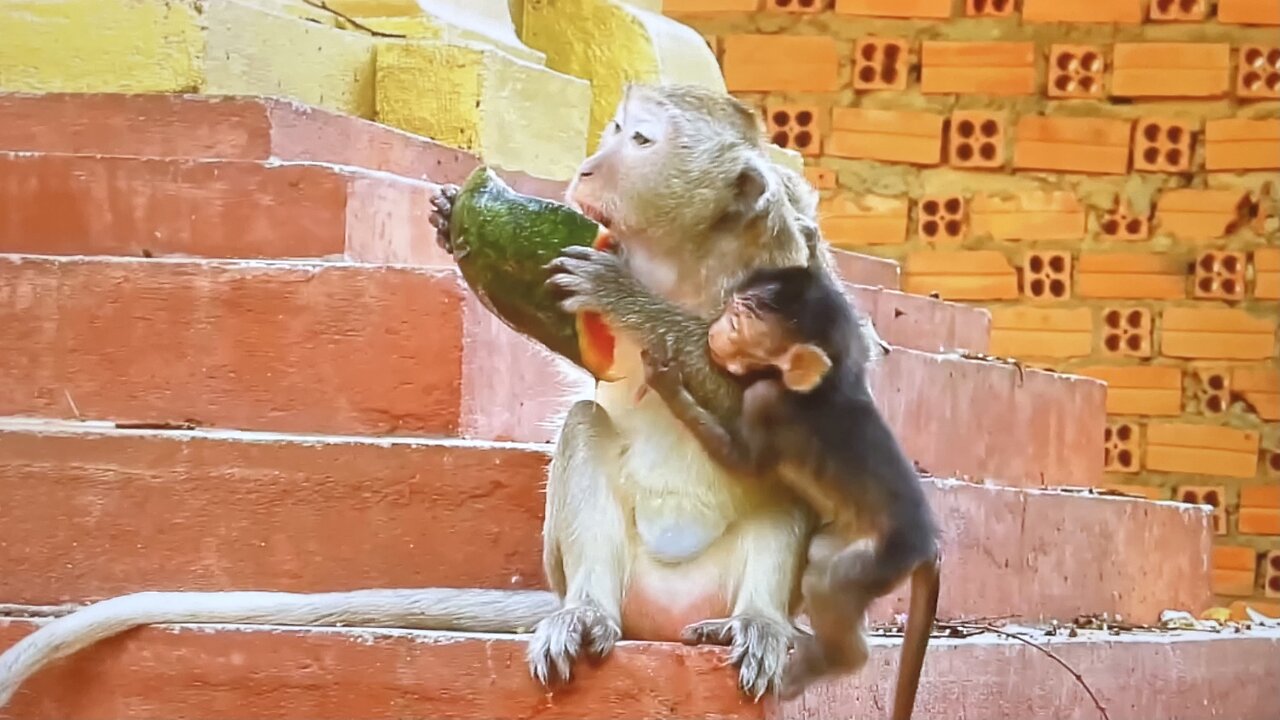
(803, 366)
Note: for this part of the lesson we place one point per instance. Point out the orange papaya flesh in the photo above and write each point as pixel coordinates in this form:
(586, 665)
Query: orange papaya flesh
(503, 240)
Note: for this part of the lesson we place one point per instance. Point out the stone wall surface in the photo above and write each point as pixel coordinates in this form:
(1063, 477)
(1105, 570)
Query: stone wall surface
(1100, 174)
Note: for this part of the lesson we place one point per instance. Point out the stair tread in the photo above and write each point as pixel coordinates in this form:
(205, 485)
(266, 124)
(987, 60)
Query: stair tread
(243, 510)
(249, 672)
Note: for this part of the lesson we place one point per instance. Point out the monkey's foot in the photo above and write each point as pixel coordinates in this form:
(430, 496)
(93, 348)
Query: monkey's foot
(757, 646)
(559, 638)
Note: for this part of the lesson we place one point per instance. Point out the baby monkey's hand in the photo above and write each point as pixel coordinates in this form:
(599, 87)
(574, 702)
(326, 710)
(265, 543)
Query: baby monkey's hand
(660, 373)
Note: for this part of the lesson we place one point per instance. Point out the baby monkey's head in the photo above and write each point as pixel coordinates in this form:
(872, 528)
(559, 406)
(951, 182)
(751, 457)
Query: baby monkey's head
(793, 320)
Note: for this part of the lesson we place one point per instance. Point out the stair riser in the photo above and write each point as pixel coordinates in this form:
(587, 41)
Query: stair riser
(284, 674)
(231, 128)
(292, 348)
(921, 323)
(82, 205)
(201, 513)
(361, 350)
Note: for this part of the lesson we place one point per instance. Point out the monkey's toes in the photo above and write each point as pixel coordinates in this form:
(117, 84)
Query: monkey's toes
(559, 638)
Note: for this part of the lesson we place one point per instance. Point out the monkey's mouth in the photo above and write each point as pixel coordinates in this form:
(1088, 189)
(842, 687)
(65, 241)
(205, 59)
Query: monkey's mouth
(595, 213)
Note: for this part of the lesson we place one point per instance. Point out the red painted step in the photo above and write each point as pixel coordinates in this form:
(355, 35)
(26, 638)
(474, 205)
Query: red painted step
(210, 127)
(226, 510)
(922, 323)
(352, 349)
(269, 345)
(246, 672)
(85, 205)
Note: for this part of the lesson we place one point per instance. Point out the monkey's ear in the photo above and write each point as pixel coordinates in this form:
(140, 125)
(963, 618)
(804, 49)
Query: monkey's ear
(803, 367)
(753, 189)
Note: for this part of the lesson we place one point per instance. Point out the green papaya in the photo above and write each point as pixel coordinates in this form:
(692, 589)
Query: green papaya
(502, 241)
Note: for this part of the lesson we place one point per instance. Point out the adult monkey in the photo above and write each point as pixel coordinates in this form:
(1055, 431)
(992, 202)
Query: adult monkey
(645, 535)
(635, 509)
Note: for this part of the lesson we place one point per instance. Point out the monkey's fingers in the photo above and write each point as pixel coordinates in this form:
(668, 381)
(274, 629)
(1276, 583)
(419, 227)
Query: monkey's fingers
(556, 642)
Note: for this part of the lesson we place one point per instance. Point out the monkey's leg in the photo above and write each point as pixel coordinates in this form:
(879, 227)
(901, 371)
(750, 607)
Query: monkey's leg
(584, 546)
(770, 546)
(839, 642)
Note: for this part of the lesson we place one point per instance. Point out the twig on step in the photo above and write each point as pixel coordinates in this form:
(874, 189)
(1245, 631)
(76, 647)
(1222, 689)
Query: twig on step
(321, 5)
(1053, 656)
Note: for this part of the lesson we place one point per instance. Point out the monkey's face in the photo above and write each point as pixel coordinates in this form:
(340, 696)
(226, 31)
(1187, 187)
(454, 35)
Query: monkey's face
(617, 185)
(744, 338)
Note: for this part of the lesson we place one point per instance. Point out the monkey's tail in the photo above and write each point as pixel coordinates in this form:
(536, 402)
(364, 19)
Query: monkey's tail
(428, 609)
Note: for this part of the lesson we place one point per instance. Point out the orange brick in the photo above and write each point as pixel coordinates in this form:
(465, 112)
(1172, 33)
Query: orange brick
(1269, 609)
(1122, 223)
(960, 275)
(1139, 389)
(1259, 510)
(976, 139)
(1212, 390)
(696, 7)
(1249, 12)
(1258, 72)
(820, 178)
(1196, 214)
(1121, 443)
(1271, 574)
(1126, 332)
(1062, 144)
(1266, 274)
(791, 63)
(941, 218)
(867, 220)
(1178, 10)
(886, 135)
(1046, 275)
(1219, 275)
(1025, 332)
(797, 7)
(1130, 275)
(984, 68)
(1214, 496)
(1082, 11)
(895, 8)
(1031, 215)
(1202, 450)
(1217, 333)
(1171, 69)
(880, 63)
(989, 8)
(1260, 388)
(798, 127)
(1239, 144)
(1076, 71)
(1163, 145)
(1234, 569)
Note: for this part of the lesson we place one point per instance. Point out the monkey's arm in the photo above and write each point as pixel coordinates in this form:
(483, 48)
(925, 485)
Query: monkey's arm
(721, 443)
(594, 280)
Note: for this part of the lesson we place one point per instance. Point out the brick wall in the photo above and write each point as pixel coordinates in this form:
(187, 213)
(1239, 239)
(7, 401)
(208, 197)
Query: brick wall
(1101, 174)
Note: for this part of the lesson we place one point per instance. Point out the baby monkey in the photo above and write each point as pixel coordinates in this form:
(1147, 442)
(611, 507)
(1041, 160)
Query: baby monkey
(808, 420)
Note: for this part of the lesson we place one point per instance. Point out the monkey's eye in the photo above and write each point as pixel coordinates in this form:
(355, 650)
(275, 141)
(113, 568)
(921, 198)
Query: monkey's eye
(641, 139)
(614, 127)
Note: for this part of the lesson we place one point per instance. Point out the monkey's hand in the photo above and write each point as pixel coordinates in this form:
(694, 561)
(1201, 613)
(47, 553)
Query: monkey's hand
(586, 279)
(660, 373)
(442, 199)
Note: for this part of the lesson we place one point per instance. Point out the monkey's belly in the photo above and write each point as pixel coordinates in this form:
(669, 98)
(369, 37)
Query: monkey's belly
(663, 598)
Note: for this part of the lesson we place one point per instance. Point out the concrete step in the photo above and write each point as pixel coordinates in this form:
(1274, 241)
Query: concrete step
(922, 323)
(210, 510)
(128, 206)
(247, 672)
(211, 127)
(220, 127)
(270, 346)
(355, 349)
